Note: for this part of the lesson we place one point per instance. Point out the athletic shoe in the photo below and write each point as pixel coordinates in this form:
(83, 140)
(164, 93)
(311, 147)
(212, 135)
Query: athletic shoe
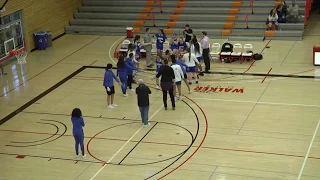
(197, 82)
(190, 82)
(190, 92)
(132, 90)
(114, 105)
(147, 125)
(158, 87)
(173, 108)
(77, 156)
(110, 107)
(125, 95)
(84, 155)
(165, 108)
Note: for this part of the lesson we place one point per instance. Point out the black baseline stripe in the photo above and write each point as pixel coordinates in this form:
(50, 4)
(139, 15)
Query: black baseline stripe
(137, 144)
(261, 74)
(23, 107)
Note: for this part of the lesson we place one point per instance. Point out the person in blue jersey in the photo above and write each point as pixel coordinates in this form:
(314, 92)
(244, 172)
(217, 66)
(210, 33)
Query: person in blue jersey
(174, 43)
(161, 38)
(137, 43)
(159, 63)
(182, 45)
(130, 64)
(77, 130)
(122, 73)
(109, 76)
(184, 68)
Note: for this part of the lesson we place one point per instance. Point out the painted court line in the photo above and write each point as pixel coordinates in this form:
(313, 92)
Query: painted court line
(266, 76)
(124, 145)
(309, 149)
(266, 103)
(111, 58)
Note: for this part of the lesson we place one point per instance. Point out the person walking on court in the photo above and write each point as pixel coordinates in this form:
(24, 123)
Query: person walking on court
(143, 92)
(130, 69)
(191, 61)
(147, 44)
(109, 76)
(178, 76)
(167, 81)
(205, 51)
(77, 130)
(122, 72)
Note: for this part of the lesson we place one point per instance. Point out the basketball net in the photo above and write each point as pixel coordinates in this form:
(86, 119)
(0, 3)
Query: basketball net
(21, 56)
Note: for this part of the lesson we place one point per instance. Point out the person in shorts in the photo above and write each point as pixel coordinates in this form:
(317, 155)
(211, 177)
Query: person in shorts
(109, 76)
(178, 73)
(191, 61)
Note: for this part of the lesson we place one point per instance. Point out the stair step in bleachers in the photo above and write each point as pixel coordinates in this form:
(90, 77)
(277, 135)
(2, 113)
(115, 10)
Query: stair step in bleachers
(246, 38)
(221, 19)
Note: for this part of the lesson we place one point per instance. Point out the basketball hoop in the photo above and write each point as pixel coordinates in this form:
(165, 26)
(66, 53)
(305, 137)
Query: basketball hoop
(21, 55)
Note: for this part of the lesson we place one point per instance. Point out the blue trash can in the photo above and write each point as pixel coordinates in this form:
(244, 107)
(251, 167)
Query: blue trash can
(41, 39)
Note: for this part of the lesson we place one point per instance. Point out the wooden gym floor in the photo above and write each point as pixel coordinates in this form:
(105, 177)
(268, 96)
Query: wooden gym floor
(251, 127)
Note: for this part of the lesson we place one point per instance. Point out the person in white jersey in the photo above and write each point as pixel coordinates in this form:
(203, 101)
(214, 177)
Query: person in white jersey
(196, 49)
(191, 61)
(178, 73)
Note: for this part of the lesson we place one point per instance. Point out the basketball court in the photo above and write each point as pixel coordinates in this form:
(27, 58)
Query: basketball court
(247, 121)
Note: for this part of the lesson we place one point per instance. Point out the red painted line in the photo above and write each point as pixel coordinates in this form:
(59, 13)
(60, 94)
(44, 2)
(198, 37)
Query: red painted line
(265, 46)
(76, 162)
(250, 66)
(168, 144)
(203, 139)
(49, 67)
(88, 144)
(266, 76)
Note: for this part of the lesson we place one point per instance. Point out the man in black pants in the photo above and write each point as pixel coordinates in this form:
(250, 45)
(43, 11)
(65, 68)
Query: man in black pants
(188, 33)
(205, 51)
(167, 80)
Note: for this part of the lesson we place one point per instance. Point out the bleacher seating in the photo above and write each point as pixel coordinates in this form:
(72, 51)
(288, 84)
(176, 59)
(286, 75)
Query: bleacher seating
(221, 19)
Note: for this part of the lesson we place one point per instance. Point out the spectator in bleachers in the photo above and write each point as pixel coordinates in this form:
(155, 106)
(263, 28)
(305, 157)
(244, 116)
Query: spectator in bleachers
(273, 19)
(188, 33)
(282, 12)
(293, 13)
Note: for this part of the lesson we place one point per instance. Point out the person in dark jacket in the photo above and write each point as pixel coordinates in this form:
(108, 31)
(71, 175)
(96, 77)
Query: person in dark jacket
(167, 81)
(143, 92)
(77, 130)
(130, 68)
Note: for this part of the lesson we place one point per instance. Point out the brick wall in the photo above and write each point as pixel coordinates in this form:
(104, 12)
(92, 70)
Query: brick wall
(50, 15)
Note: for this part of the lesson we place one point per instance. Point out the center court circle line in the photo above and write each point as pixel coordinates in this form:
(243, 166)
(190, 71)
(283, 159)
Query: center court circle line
(184, 151)
(124, 144)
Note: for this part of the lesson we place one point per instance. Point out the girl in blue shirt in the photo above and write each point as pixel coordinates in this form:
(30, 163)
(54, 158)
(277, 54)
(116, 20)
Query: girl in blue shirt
(159, 63)
(122, 73)
(130, 63)
(77, 131)
(182, 45)
(174, 43)
(184, 70)
(136, 41)
(109, 76)
(161, 38)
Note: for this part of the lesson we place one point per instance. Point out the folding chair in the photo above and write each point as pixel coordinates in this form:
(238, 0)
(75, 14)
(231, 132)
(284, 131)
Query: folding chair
(215, 50)
(237, 51)
(247, 55)
(126, 42)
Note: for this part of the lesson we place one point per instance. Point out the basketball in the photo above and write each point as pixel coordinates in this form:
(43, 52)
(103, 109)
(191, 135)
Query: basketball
(12, 52)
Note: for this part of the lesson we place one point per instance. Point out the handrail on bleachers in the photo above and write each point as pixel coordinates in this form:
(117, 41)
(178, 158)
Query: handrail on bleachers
(251, 5)
(152, 17)
(246, 20)
(159, 4)
(307, 11)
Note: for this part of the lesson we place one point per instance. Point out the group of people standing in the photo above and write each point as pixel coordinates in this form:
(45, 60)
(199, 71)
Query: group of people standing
(180, 63)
